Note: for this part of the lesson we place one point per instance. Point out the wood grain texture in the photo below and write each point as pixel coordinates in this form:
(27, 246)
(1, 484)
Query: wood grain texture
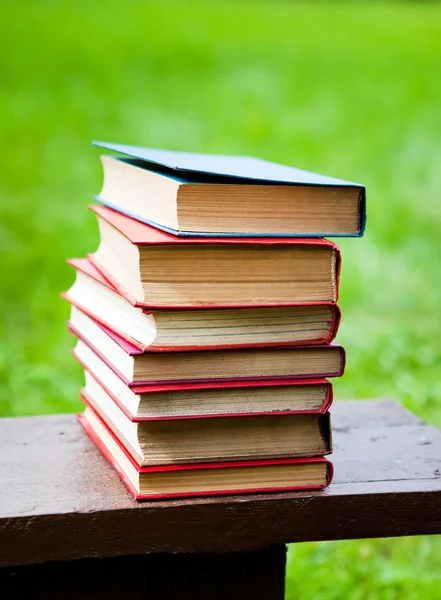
(234, 576)
(60, 500)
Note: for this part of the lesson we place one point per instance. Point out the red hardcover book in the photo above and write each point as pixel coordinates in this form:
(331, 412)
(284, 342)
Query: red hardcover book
(208, 479)
(195, 366)
(268, 386)
(140, 234)
(240, 438)
(305, 324)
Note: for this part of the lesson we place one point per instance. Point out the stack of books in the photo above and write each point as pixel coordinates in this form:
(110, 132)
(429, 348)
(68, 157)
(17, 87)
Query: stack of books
(205, 321)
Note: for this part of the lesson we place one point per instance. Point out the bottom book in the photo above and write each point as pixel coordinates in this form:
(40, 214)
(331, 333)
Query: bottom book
(210, 479)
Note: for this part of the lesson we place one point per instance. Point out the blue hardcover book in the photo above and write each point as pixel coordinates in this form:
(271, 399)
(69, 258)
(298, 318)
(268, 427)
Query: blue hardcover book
(198, 195)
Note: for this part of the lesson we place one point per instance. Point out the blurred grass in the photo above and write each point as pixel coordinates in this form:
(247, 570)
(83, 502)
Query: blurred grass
(351, 90)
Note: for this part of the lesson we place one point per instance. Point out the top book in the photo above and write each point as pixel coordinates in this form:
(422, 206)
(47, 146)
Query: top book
(197, 195)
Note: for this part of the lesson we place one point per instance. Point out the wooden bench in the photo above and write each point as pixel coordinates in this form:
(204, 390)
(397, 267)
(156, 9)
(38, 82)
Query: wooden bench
(69, 529)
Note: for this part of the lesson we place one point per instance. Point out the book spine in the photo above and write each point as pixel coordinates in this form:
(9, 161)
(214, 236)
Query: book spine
(362, 210)
(329, 398)
(325, 431)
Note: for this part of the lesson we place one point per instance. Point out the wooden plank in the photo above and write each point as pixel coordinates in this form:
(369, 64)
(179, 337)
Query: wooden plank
(60, 500)
(236, 576)
(354, 414)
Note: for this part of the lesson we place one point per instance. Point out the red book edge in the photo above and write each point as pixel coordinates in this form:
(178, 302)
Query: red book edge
(84, 265)
(135, 419)
(141, 384)
(110, 458)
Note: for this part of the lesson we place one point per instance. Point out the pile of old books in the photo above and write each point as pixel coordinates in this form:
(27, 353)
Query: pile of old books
(205, 321)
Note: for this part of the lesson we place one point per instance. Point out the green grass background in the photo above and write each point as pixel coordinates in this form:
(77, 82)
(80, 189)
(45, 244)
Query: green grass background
(351, 90)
